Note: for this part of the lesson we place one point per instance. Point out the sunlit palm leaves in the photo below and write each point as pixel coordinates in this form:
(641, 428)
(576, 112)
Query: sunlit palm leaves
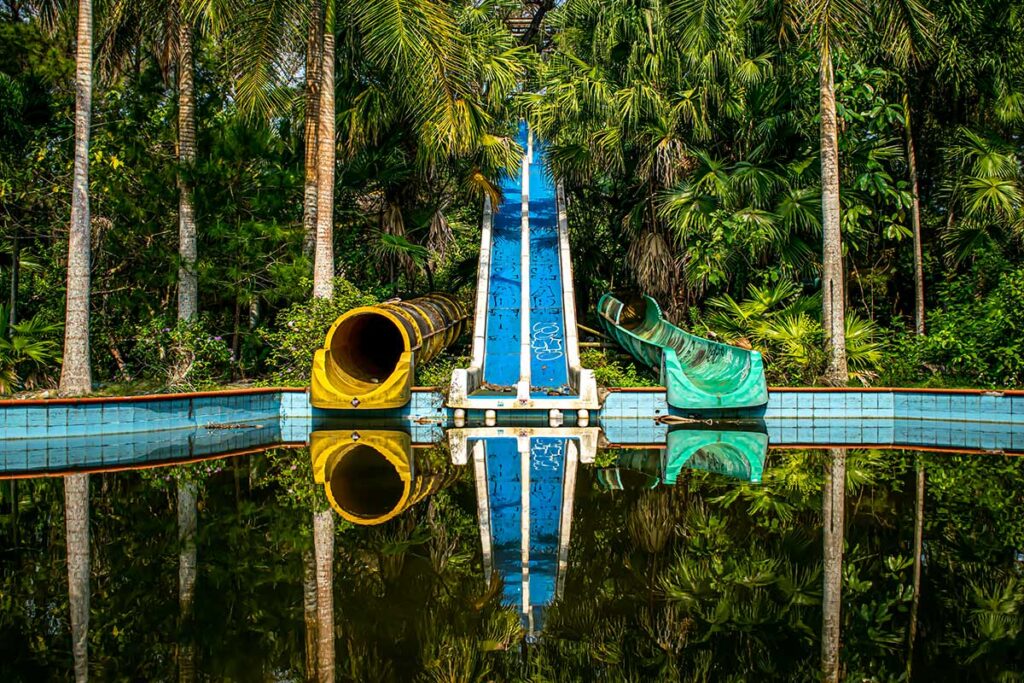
(986, 194)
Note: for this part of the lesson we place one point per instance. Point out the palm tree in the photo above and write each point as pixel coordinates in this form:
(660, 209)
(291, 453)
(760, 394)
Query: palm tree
(323, 543)
(828, 22)
(188, 283)
(833, 503)
(187, 570)
(76, 521)
(323, 259)
(908, 38)
(75, 374)
(314, 55)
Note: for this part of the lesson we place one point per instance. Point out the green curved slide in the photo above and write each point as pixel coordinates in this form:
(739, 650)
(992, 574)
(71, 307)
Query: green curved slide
(698, 373)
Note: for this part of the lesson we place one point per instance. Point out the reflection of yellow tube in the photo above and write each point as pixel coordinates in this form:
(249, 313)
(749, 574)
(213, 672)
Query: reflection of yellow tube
(368, 358)
(370, 476)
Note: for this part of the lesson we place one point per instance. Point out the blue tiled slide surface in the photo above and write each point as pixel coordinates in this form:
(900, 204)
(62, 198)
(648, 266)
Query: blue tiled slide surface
(504, 491)
(548, 365)
(547, 470)
(504, 285)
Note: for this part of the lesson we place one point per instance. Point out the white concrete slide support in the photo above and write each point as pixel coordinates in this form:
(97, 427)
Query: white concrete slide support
(580, 378)
(466, 380)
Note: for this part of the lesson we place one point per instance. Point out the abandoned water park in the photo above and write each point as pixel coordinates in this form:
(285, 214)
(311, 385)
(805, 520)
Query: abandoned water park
(512, 340)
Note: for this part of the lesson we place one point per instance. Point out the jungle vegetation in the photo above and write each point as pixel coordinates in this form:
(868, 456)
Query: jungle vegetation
(173, 194)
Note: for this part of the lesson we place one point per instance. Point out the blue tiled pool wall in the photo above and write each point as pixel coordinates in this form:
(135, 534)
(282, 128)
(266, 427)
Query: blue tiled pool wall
(630, 411)
(910, 405)
(60, 419)
(57, 453)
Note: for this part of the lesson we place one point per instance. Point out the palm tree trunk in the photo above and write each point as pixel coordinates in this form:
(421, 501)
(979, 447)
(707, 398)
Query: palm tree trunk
(188, 283)
(75, 375)
(309, 610)
(832, 284)
(187, 571)
(323, 260)
(314, 56)
(323, 543)
(918, 548)
(76, 521)
(915, 220)
(12, 308)
(833, 506)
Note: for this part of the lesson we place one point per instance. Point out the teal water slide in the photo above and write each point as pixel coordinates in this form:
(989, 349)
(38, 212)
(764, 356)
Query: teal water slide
(698, 373)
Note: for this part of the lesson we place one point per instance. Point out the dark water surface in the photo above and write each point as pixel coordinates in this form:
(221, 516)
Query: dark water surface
(708, 579)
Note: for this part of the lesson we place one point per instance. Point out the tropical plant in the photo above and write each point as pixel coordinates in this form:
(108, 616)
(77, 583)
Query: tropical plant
(29, 353)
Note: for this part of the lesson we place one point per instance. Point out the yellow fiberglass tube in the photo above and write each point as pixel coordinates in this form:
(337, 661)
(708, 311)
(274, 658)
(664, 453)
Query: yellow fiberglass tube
(371, 476)
(370, 354)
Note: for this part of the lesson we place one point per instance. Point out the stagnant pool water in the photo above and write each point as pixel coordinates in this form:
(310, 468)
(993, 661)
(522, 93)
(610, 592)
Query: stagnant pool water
(528, 564)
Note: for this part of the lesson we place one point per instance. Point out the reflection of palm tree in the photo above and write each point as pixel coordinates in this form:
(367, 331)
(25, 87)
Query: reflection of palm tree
(76, 520)
(323, 542)
(309, 611)
(918, 543)
(187, 569)
(833, 501)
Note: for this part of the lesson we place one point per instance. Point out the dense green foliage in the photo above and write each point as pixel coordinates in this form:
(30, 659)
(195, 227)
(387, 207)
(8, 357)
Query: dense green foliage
(686, 134)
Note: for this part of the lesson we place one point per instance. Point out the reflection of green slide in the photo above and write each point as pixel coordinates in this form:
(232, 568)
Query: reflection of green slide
(735, 454)
(697, 372)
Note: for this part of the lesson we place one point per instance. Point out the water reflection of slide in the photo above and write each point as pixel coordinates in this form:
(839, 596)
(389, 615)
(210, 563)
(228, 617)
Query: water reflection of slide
(698, 373)
(371, 476)
(525, 487)
(738, 453)
(525, 350)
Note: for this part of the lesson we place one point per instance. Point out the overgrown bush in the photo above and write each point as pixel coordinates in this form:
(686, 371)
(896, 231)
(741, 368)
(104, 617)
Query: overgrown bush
(438, 372)
(183, 354)
(611, 372)
(301, 329)
(29, 352)
(974, 338)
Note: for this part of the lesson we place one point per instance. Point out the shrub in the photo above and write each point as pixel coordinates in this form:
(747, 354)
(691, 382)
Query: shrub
(301, 329)
(610, 372)
(973, 338)
(438, 372)
(29, 352)
(183, 354)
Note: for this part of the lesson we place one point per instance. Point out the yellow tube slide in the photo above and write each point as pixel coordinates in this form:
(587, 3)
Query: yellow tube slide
(371, 476)
(370, 353)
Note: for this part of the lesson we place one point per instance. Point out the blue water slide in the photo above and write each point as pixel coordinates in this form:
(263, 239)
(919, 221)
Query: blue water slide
(549, 369)
(504, 287)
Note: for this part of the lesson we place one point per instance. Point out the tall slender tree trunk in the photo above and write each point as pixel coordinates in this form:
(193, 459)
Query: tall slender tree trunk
(12, 308)
(75, 375)
(323, 543)
(832, 511)
(915, 220)
(323, 261)
(188, 281)
(314, 57)
(832, 282)
(309, 610)
(76, 522)
(918, 548)
(187, 571)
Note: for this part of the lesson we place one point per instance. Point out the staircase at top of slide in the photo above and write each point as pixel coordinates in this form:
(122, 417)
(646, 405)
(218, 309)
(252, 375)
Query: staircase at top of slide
(525, 344)
(698, 373)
